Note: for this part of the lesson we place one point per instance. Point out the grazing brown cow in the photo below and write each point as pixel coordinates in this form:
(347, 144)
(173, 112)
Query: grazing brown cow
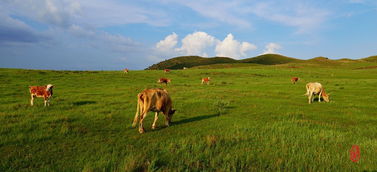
(166, 70)
(155, 100)
(315, 88)
(41, 91)
(206, 80)
(125, 70)
(164, 80)
(294, 80)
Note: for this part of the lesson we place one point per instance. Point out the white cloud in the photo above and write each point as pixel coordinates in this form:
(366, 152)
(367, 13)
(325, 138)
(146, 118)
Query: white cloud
(202, 44)
(168, 44)
(271, 48)
(94, 13)
(233, 48)
(197, 43)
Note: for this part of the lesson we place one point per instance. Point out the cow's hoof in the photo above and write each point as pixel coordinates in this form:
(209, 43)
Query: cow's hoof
(154, 127)
(133, 125)
(141, 131)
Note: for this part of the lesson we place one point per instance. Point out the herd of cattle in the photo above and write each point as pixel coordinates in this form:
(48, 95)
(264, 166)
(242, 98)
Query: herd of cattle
(158, 100)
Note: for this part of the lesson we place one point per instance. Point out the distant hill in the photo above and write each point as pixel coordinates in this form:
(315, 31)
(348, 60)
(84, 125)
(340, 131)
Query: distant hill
(266, 59)
(190, 61)
(370, 59)
(270, 59)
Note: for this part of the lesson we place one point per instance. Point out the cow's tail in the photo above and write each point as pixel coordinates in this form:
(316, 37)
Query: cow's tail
(307, 90)
(138, 109)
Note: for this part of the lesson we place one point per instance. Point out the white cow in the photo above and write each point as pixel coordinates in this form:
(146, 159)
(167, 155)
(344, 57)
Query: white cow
(315, 88)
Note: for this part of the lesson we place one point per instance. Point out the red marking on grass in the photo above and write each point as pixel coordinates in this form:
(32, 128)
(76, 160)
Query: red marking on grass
(355, 153)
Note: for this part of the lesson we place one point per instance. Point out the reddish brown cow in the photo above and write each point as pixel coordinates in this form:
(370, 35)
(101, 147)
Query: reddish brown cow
(125, 70)
(294, 80)
(164, 80)
(166, 70)
(206, 80)
(155, 100)
(41, 91)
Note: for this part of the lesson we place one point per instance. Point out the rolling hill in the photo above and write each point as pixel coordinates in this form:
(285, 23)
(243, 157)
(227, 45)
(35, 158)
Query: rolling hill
(370, 59)
(266, 59)
(270, 59)
(192, 61)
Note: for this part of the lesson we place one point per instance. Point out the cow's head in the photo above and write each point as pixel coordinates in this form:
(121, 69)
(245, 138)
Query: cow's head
(49, 87)
(326, 97)
(170, 116)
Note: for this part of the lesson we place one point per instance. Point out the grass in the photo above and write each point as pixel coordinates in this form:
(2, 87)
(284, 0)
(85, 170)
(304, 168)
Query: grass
(248, 118)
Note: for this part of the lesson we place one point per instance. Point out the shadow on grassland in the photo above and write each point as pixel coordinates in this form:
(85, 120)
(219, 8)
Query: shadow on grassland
(194, 119)
(80, 103)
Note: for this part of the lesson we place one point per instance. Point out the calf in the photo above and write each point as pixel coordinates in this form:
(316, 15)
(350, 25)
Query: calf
(294, 80)
(315, 88)
(166, 70)
(155, 100)
(164, 80)
(125, 70)
(206, 80)
(41, 91)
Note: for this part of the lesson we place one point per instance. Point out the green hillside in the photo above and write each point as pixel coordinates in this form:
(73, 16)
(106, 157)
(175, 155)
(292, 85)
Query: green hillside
(270, 59)
(370, 59)
(190, 61)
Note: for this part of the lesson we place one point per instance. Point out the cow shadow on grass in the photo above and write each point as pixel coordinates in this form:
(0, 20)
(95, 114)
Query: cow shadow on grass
(180, 122)
(194, 119)
(80, 103)
(316, 100)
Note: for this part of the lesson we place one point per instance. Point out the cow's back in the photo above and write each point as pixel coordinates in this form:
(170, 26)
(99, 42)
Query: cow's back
(314, 87)
(156, 99)
(38, 90)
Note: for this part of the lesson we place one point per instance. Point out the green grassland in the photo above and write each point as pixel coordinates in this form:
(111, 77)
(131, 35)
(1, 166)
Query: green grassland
(250, 118)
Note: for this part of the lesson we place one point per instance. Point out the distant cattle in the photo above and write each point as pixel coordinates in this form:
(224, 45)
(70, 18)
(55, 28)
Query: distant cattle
(125, 70)
(206, 80)
(315, 88)
(155, 100)
(166, 70)
(294, 80)
(164, 80)
(41, 91)
(184, 68)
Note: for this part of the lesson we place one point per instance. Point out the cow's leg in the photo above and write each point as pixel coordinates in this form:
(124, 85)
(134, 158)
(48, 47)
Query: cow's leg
(32, 100)
(155, 120)
(45, 100)
(166, 119)
(136, 115)
(319, 97)
(141, 127)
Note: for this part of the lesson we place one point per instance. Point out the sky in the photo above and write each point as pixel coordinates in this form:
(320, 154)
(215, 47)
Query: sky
(134, 34)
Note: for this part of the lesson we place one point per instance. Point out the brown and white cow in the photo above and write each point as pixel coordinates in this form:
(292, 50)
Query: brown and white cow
(166, 70)
(125, 70)
(155, 100)
(164, 80)
(294, 80)
(206, 80)
(315, 88)
(41, 91)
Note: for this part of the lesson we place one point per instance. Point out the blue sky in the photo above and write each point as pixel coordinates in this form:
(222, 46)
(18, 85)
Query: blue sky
(117, 34)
